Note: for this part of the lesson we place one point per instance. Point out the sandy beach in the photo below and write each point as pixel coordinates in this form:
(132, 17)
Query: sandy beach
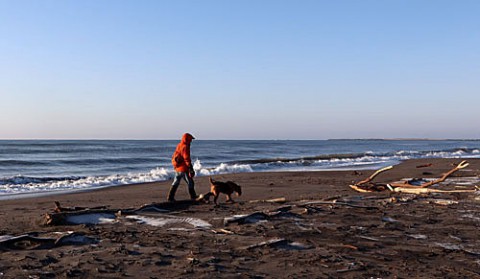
(285, 225)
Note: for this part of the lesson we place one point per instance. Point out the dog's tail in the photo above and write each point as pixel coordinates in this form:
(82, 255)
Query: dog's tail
(211, 180)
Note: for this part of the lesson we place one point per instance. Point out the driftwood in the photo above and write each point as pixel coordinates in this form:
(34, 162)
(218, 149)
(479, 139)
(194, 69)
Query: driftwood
(222, 231)
(33, 241)
(246, 219)
(25, 242)
(424, 166)
(94, 215)
(278, 243)
(335, 203)
(68, 218)
(428, 190)
(371, 177)
(271, 242)
(276, 200)
(462, 165)
(59, 208)
(367, 185)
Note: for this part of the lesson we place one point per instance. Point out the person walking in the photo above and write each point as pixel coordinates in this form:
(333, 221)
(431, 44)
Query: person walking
(183, 168)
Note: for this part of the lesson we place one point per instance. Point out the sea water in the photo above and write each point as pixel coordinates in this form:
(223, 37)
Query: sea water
(37, 166)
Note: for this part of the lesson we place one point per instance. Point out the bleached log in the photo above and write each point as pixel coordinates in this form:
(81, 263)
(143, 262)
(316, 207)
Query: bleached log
(336, 203)
(64, 215)
(276, 200)
(416, 189)
(429, 190)
(462, 165)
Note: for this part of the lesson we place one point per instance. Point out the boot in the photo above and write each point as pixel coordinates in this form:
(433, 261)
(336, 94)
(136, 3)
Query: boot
(193, 194)
(171, 193)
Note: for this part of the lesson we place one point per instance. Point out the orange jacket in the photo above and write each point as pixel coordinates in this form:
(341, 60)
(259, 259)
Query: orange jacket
(181, 157)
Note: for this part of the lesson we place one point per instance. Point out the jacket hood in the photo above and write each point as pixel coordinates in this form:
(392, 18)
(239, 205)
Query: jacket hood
(187, 138)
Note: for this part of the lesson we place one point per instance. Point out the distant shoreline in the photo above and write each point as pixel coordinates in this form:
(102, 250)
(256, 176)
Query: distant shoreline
(208, 139)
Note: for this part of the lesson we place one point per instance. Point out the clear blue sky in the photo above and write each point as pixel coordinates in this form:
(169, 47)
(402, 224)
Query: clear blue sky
(244, 69)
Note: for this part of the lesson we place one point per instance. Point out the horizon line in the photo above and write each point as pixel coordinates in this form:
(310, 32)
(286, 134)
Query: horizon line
(249, 139)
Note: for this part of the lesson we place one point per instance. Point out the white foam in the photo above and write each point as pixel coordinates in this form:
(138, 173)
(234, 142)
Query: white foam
(158, 174)
(17, 186)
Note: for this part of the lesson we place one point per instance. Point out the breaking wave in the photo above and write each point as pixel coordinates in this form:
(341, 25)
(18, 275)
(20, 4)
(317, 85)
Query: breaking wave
(367, 160)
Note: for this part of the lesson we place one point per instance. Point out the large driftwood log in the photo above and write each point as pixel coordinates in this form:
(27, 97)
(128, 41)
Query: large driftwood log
(59, 208)
(367, 185)
(35, 241)
(429, 190)
(73, 215)
(462, 165)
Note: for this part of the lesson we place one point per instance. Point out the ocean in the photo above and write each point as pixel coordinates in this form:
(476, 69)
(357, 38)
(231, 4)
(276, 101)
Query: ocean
(40, 166)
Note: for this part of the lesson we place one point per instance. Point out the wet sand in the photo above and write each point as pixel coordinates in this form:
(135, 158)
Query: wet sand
(324, 229)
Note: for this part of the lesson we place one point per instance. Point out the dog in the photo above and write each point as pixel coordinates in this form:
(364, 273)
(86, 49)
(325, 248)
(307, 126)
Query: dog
(227, 188)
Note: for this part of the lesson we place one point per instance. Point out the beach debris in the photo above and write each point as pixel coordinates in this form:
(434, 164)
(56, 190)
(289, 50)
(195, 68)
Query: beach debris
(25, 242)
(366, 186)
(246, 218)
(285, 208)
(461, 165)
(455, 237)
(59, 208)
(457, 247)
(102, 215)
(79, 217)
(369, 238)
(471, 216)
(75, 238)
(35, 241)
(417, 236)
(276, 200)
(284, 214)
(349, 246)
(429, 190)
(424, 166)
(270, 242)
(90, 218)
(450, 246)
(310, 203)
(352, 267)
(280, 243)
(147, 208)
(98, 215)
(170, 220)
(259, 216)
(411, 186)
(311, 209)
(442, 201)
(389, 219)
(297, 246)
(222, 231)
(357, 172)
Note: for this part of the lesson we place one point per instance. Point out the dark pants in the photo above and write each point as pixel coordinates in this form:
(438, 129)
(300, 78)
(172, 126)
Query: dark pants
(176, 182)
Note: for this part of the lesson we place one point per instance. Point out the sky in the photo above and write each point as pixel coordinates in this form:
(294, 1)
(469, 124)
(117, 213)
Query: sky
(239, 69)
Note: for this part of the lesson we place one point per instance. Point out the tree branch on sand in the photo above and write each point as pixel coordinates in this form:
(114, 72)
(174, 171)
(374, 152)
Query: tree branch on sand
(367, 185)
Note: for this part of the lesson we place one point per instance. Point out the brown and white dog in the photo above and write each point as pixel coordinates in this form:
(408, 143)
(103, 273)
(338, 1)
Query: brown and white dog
(227, 188)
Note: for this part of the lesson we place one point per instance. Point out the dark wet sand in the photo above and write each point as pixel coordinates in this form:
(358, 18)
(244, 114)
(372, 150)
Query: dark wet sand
(363, 235)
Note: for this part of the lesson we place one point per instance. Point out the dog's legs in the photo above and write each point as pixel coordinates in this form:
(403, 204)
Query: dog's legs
(229, 199)
(215, 198)
(207, 196)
